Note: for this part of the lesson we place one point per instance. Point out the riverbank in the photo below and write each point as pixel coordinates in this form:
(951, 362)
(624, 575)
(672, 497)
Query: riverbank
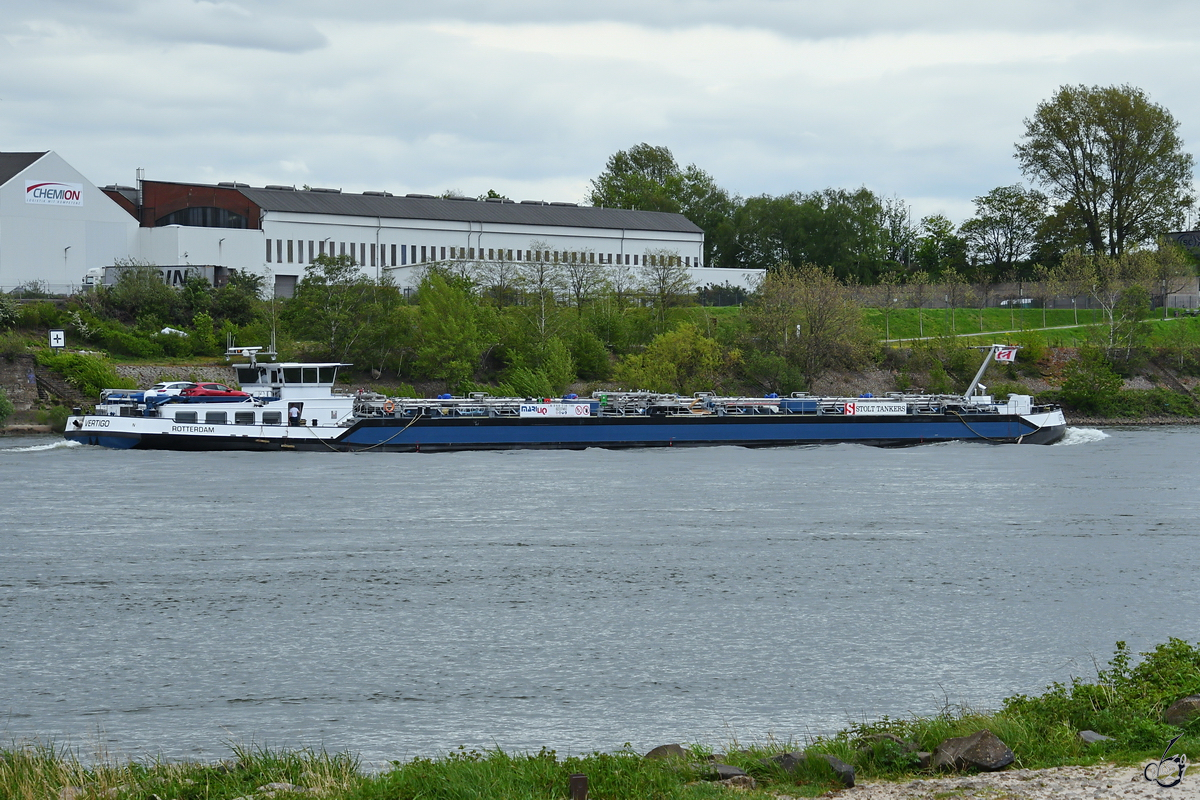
(1099, 781)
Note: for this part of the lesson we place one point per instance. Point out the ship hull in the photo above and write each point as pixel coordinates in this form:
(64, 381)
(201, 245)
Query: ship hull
(484, 433)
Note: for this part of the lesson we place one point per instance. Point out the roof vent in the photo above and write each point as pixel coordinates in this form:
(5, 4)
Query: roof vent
(468, 199)
(533, 203)
(234, 185)
(422, 196)
(575, 205)
(326, 191)
(377, 194)
(280, 188)
(493, 200)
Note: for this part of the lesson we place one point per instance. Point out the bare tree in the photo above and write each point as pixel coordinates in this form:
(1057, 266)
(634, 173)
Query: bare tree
(665, 280)
(917, 289)
(810, 318)
(956, 293)
(541, 283)
(584, 277)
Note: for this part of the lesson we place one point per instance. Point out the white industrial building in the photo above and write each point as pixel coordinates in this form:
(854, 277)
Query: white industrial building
(55, 224)
(55, 237)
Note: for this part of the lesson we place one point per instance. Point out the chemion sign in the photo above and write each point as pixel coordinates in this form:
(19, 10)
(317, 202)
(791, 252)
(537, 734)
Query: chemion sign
(53, 193)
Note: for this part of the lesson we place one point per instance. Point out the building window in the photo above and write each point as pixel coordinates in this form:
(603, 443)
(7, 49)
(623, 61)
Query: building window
(471, 252)
(393, 255)
(268, 251)
(443, 254)
(279, 250)
(203, 217)
(342, 247)
(310, 250)
(372, 255)
(291, 252)
(423, 259)
(362, 253)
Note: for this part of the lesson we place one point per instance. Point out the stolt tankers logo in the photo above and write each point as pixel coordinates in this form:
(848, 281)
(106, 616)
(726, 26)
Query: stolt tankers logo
(53, 193)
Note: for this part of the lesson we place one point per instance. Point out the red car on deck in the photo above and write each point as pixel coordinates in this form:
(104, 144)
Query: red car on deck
(212, 390)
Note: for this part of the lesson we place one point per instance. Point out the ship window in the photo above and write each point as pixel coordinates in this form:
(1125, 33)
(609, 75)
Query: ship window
(243, 418)
(310, 375)
(215, 417)
(185, 417)
(272, 418)
(247, 375)
(327, 374)
(291, 375)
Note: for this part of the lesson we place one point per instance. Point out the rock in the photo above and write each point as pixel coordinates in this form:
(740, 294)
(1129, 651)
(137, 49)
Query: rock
(70, 793)
(725, 771)
(789, 761)
(924, 759)
(981, 750)
(1091, 737)
(272, 789)
(739, 782)
(667, 751)
(1183, 710)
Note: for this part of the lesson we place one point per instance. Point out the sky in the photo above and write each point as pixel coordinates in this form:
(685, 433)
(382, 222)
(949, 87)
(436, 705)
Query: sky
(919, 100)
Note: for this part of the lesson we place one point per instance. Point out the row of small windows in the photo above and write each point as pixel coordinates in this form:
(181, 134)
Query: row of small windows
(362, 253)
(222, 418)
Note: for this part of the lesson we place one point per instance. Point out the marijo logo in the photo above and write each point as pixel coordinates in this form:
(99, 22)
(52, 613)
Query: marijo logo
(52, 193)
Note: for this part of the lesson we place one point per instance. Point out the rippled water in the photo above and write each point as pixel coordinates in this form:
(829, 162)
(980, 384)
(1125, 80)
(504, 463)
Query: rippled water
(396, 605)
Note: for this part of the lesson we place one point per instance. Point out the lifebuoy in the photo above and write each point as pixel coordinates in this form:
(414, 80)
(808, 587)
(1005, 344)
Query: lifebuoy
(388, 406)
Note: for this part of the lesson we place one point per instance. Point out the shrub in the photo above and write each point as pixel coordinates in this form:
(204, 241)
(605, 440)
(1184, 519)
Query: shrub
(9, 313)
(41, 315)
(1091, 385)
(6, 406)
(87, 373)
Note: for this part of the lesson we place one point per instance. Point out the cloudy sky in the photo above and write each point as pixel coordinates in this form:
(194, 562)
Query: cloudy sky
(923, 100)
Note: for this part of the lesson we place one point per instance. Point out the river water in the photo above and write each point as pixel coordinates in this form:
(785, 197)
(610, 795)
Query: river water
(176, 604)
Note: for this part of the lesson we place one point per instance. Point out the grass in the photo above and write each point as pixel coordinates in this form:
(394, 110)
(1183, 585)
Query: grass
(1125, 701)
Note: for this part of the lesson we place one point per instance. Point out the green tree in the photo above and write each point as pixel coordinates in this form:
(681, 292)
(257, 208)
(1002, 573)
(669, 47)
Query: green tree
(449, 340)
(1004, 231)
(240, 299)
(648, 178)
(329, 304)
(681, 360)
(139, 293)
(1115, 157)
(939, 247)
(842, 230)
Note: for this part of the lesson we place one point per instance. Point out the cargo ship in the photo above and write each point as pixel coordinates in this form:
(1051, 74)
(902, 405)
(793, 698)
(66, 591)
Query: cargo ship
(296, 406)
